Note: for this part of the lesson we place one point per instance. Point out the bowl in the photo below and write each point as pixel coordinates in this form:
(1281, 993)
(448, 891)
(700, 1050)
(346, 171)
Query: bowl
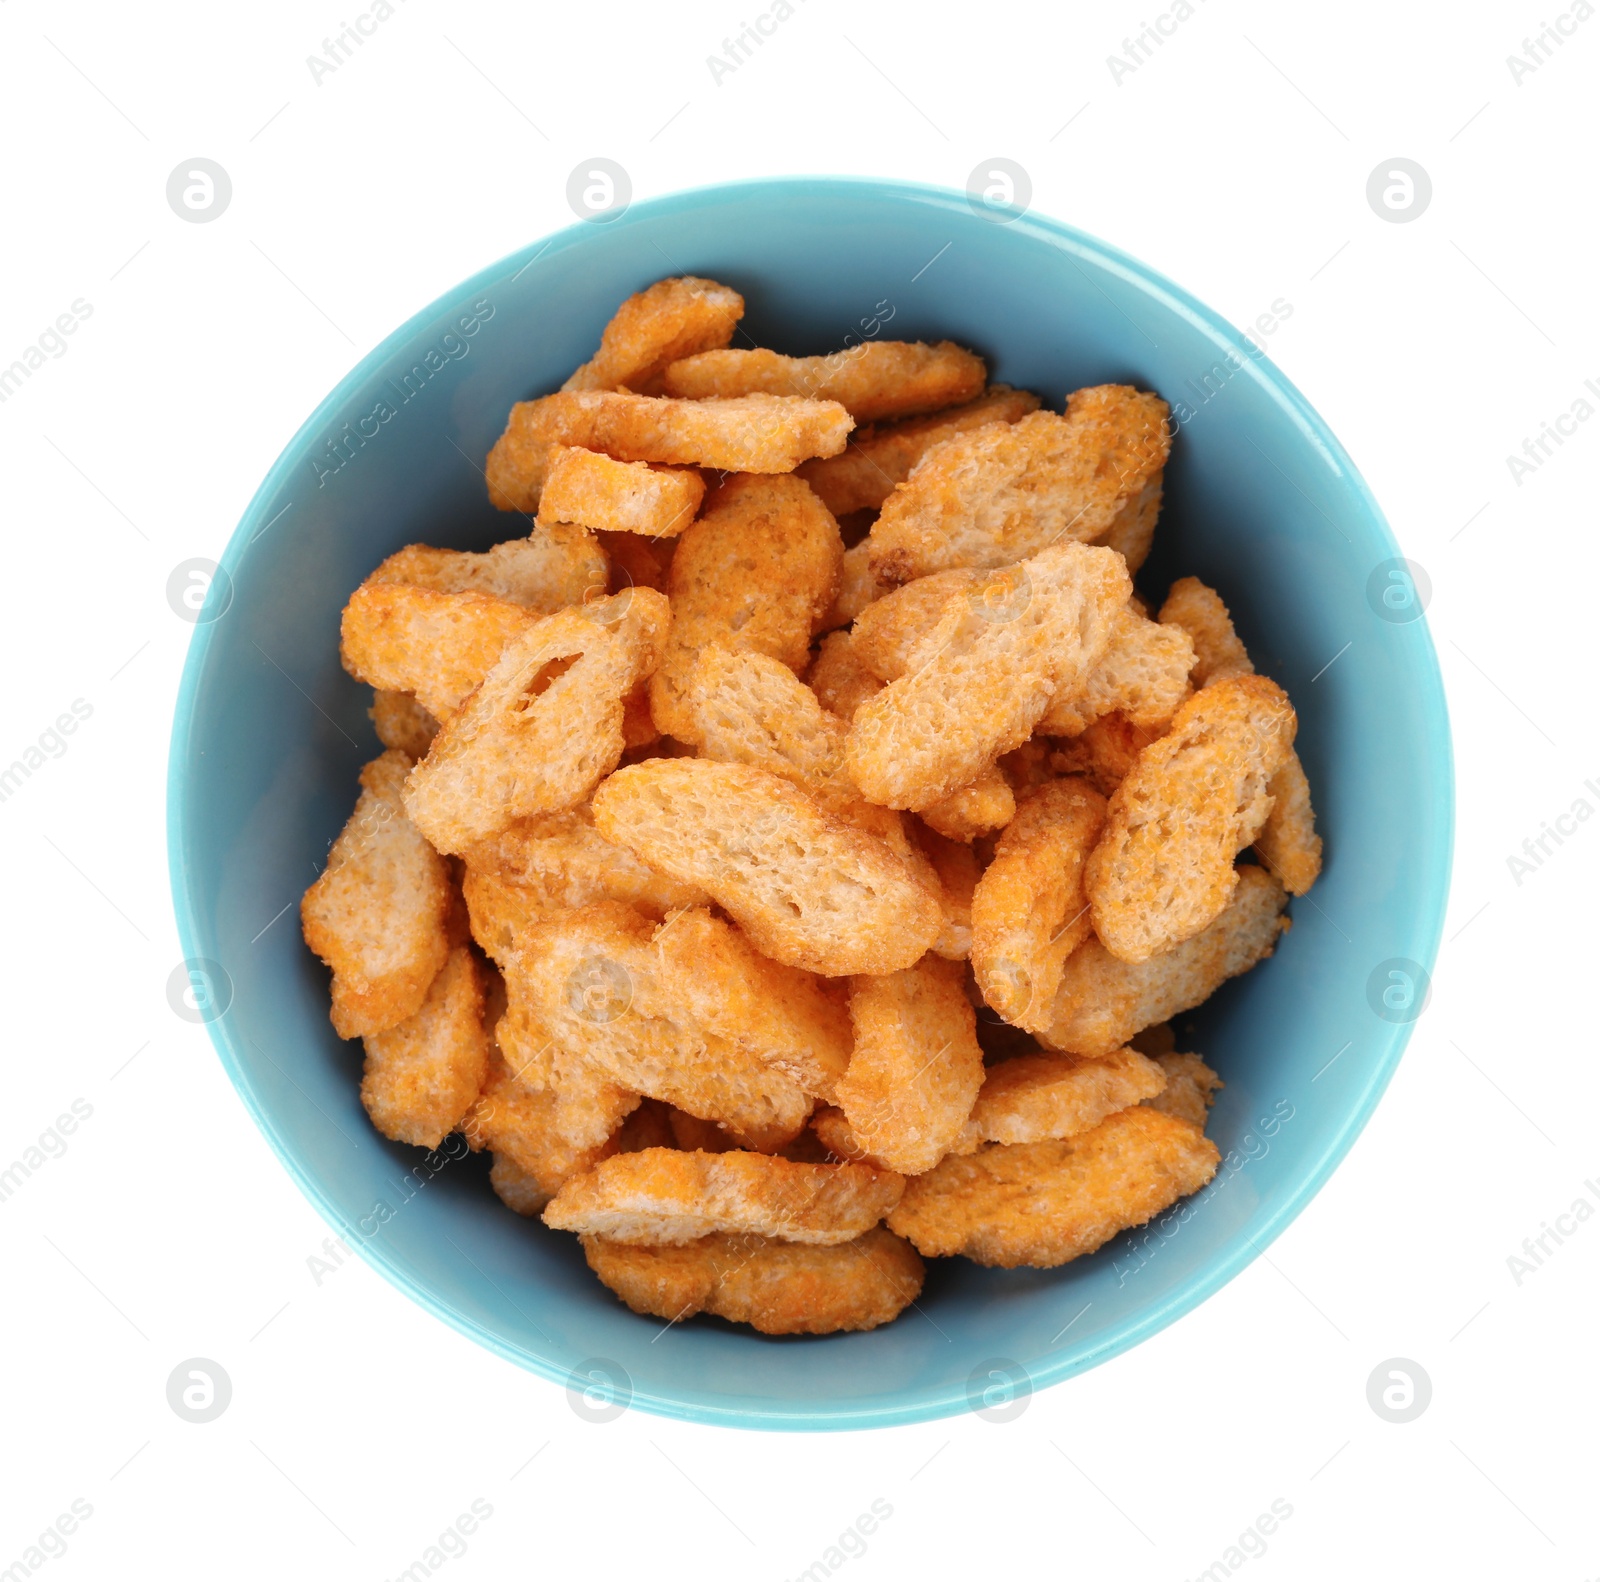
(1262, 502)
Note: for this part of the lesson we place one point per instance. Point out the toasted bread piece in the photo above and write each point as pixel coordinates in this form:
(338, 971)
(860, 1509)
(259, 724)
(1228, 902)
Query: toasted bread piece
(998, 494)
(378, 912)
(872, 380)
(1104, 752)
(1103, 1002)
(654, 327)
(552, 567)
(722, 1037)
(956, 867)
(1288, 843)
(758, 570)
(662, 1197)
(916, 1067)
(402, 722)
(519, 1189)
(1143, 675)
(437, 646)
(545, 725)
(1038, 1205)
(858, 587)
(838, 677)
(1032, 1098)
(809, 888)
(1199, 610)
(833, 1130)
(1163, 869)
(1190, 1091)
(891, 636)
(593, 491)
(1000, 653)
(978, 808)
(777, 1287)
(1133, 528)
(422, 1075)
(877, 458)
(758, 433)
(1029, 910)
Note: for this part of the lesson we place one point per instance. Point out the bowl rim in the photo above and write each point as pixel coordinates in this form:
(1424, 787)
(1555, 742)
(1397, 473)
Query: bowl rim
(1065, 1362)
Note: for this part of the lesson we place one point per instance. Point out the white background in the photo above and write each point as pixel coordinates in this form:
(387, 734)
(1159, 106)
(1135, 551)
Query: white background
(1235, 161)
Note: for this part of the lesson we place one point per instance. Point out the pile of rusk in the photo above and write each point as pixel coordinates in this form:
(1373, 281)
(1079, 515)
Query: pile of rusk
(837, 898)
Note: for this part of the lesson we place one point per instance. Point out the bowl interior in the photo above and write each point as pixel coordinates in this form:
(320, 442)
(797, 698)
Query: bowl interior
(1261, 502)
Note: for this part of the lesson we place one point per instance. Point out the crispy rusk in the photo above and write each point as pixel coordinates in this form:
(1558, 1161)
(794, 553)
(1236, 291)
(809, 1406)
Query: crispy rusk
(977, 808)
(545, 725)
(1029, 910)
(858, 587)
(593, 491)
(422, 1075)
(832, 1129)
(654, 327)
(722, 1038)
(552, 567)
(1199, 610)
(378, 912)
(811, 889)
(999, 654)
(499, 912)
(838, 677)
(1163, 868)
(663, 1197)
(1038, 1205)
(872, 380)
(777, 1287)
(891, 636)
(758, 570)
(1032, 1098)
(1143, 675)
(998, 494)
(757, 433)
(1103, 1002)
(1133, 528)
(877, 458)
(1288, 843)
(402, 722)
(956, 867)
(517, 1188)
(437, 646)
(1104, 752)
(916, 1067)
(1190, 1091)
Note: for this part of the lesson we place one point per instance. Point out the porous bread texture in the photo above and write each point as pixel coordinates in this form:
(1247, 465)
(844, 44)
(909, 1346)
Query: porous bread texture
(545, 725)
(977, 808)
(1143, 675)
(777, 1287)
(1042, 1204)
(1133, 528)
(552, 567)
(758, 433)
(872, 380)
(1199, 611)
(841, 682)
(595, 492)
(1190, 1091)
(662, 1197)
(998, 656)
(811, 889)
(673, 318)
(400, 721)
(1102, 1002)
(377, 914)
(1032, 1098)
(1163, 868)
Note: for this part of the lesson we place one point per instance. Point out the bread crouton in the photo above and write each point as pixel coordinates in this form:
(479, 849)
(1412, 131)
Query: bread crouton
(545, 725)
(654, 327)
(1001, 652)
(1190, 1091)
(878, 457)
(400, 721)
(1163, 868)
(1039, 1205)
(872, 380)
(809, 888)
(552, 567)
(838, 677)
(1288, 843)
(916, 1066)
(1029, 910)
(378, 912)
(758, 570)
(1103, 1002)
(978, 808)
(777, 1287)
(1143, 675)
(593, 491)
(1103, 752)
(956, 868)
(998, 494)
(1199, 610)
(758, 433)
(1133, 528)
(1032, 1098)
(661, 1197)
(891, 636)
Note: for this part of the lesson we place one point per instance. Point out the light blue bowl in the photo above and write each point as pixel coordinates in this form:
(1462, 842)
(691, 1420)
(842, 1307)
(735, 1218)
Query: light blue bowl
(1262, 502)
